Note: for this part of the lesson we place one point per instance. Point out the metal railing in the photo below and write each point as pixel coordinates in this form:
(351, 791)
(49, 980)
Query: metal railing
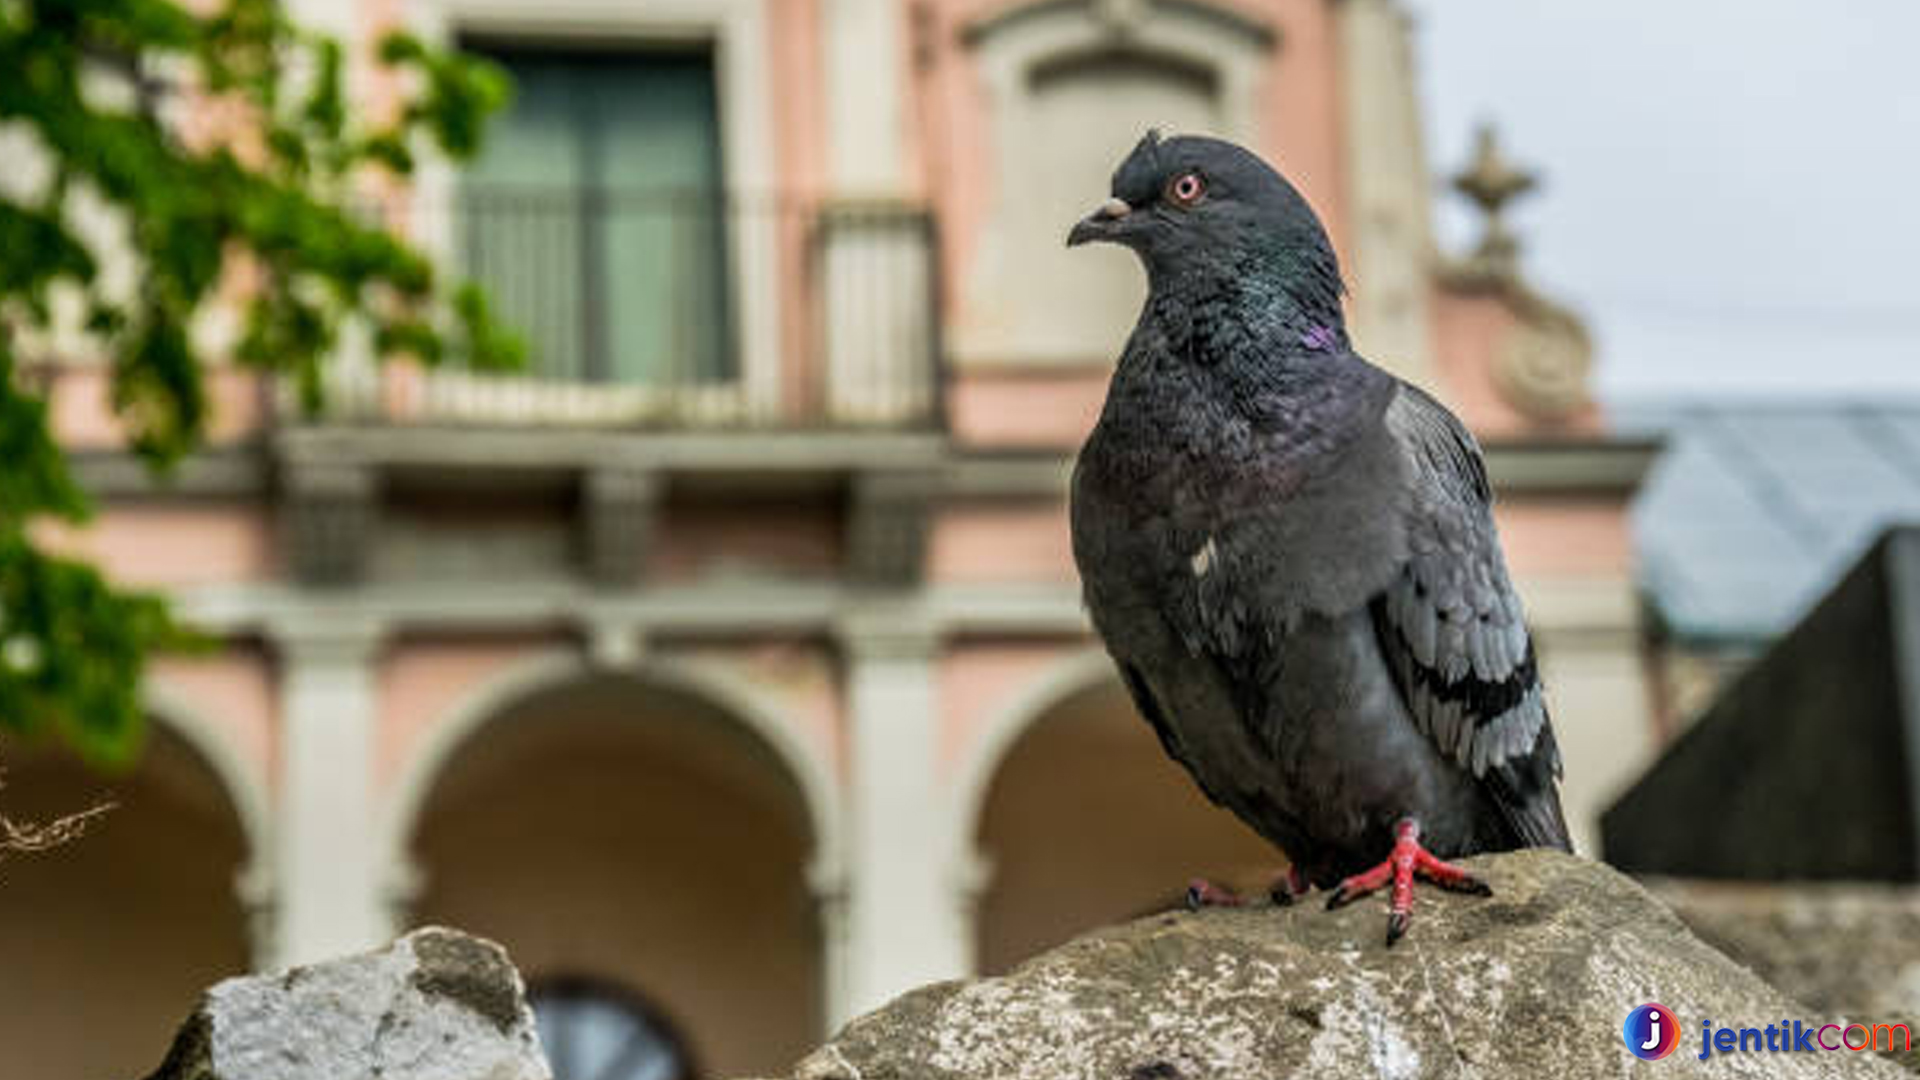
(642, 309)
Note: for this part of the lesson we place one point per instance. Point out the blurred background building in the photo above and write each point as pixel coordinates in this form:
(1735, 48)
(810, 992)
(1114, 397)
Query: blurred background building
(729, 665)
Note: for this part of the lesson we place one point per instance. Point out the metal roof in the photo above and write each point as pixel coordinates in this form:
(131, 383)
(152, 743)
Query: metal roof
(1754, 511)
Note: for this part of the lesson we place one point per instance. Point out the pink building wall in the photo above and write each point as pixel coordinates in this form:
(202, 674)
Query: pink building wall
(980, 548)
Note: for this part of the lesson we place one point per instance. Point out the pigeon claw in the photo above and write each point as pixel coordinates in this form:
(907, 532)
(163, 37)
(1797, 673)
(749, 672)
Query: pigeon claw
(1397, 926)
(1406, 862)
(1290, 886)
(1202, 893)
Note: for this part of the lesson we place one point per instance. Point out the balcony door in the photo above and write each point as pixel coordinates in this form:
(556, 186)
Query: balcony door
(595, 214)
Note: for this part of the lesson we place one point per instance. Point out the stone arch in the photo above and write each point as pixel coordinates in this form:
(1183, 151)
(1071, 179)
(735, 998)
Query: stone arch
(246, 791)
(1069, 84)
(109, 938)
(1084, 669)
(245, 788)
(807, 767)
(1071, 816)
(655, 825)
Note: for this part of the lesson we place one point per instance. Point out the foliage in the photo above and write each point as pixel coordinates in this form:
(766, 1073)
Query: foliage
(217, 145)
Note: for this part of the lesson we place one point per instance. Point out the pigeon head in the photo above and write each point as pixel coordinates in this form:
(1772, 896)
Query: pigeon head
(1198, 210)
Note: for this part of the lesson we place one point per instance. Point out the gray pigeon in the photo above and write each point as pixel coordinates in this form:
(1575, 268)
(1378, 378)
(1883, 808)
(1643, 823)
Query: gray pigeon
(1291, 554)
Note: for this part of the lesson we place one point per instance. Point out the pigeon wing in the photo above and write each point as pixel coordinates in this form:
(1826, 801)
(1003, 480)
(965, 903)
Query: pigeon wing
(1452, 629)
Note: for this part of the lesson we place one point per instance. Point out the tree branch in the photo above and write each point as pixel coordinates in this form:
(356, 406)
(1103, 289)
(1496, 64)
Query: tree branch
(25, 838)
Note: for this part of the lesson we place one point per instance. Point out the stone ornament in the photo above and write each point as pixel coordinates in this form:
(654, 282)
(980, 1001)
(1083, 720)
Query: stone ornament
(1543, 366)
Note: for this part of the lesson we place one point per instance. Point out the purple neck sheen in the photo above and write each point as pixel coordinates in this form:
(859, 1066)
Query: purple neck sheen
(1321, 338)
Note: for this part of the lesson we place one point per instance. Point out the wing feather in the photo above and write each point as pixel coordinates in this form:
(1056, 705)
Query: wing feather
(1452, 629)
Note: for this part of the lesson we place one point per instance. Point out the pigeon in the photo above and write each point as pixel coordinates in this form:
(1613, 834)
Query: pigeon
(1290, 553)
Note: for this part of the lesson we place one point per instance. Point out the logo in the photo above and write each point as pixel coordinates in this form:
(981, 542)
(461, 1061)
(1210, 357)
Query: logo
(1651, 1032)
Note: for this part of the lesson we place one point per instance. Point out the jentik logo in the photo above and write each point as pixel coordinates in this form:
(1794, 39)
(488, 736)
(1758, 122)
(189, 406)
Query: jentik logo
(1651, 1032)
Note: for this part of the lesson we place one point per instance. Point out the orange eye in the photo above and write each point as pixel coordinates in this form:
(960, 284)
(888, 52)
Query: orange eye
(1186, 189)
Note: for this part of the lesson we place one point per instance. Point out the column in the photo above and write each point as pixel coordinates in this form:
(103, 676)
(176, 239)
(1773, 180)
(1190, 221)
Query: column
(1390, 231)
(904, 925)
(866, 54)
(1586, 632)
(331, 900)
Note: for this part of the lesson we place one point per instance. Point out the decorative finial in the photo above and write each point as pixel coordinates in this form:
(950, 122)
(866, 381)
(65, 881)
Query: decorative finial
(1544, 362)
(1492, 181)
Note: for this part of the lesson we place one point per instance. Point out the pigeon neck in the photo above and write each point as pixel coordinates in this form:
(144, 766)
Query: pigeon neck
(1266, 316)
(1299, 292)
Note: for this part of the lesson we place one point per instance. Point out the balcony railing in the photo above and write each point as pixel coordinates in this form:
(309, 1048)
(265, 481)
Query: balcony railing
(651, 311)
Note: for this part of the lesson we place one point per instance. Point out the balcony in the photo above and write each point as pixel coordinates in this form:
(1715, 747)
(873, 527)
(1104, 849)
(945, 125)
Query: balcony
(648, 311)
(684, 353)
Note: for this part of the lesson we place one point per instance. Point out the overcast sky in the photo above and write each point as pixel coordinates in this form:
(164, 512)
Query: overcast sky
(1732, 187)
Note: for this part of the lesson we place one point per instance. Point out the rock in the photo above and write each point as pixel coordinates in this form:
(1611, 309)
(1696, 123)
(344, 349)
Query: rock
(1536, 981)
(1850, 948)
(435, 1005)
(1843, 948)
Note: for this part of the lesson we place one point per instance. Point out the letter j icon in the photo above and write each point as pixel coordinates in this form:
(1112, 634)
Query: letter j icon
(1651, 1032)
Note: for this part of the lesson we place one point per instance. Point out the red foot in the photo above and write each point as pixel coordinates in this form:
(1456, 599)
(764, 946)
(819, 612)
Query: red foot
(1290, 886)
(1407, 861)
(1203, 893)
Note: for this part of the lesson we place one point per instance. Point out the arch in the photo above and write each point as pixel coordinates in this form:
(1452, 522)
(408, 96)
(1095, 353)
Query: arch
(1125, 17)
(811, 774)
(654, 823)
(645, 1016)
(1075, 674)
(1055, 848)
(245, 788)
(1200, 79)
(183, 840)
(1051, 70)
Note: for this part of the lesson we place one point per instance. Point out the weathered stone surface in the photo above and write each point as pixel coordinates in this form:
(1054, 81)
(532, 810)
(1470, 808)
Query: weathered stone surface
(435, 1005)
(1841, 949)
(1536, 981)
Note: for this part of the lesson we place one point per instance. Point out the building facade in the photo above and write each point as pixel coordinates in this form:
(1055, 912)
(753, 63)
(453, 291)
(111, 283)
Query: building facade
(729, 665)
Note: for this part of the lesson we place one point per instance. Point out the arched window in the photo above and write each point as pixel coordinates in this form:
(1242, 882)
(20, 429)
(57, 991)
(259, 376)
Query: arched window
(593, 1030)
(1084, 112)
(1071, 87)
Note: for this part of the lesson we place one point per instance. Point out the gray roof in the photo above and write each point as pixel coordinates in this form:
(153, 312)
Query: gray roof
(1754, 511)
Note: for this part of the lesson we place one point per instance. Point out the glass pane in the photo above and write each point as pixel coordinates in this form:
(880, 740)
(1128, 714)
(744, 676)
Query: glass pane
(658, 154)
(596, 1031)
(523, 230)
(594, 215)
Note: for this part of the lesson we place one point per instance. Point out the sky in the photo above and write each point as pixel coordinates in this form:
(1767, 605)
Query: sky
(1731, 188)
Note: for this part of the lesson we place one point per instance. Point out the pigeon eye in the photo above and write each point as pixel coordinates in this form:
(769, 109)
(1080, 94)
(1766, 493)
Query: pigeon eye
(1186, 189)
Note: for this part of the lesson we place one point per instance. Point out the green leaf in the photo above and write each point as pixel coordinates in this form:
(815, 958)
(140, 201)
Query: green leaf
(288, 199)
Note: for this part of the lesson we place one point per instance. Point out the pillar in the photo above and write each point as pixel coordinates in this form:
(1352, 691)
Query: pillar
(867, 97)
(1391, 232)
(330, 897)
(1587, 634)
(904, 923)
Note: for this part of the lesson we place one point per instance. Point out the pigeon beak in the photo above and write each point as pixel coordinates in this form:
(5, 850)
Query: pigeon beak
(1099, 225)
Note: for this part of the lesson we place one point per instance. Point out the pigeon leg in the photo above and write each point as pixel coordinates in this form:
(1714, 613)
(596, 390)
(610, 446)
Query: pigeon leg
(1289, 887)
(1407, 861)
(1202, 893)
